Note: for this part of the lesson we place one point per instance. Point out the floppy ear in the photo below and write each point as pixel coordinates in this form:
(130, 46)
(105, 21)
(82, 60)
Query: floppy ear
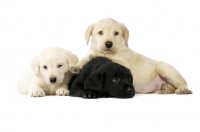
(71, 58)
(35, 66)
(125, 33)
(88, 33)
(130, 74)
(95, 81)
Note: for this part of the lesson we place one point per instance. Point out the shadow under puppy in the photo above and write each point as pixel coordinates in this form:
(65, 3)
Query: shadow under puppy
(101, 77)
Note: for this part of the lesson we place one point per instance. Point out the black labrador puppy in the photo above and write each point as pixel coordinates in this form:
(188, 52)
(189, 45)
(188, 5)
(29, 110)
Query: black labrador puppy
(101, 77)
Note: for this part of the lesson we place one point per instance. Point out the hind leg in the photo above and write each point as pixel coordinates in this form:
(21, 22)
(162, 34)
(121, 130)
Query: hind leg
(173, 77)
(165, 89)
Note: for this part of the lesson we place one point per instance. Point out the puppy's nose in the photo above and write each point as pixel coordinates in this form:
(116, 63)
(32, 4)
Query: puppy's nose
(53, 80)
(129, 90)
(108, 44)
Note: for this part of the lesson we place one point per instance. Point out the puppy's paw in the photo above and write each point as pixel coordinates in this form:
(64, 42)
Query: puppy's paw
(163, 88)
(92, 56)
(183, 90)
(105, 95)
(62, 92)
(37, 93)
(90, 94)
(75, 69)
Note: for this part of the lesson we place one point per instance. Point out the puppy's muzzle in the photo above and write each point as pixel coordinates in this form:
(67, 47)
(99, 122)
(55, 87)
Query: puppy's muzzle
(52, 80)
(108, 44)
(129, 90)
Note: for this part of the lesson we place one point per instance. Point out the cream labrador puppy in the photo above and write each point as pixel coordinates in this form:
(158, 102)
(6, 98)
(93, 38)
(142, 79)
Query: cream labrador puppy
(49, 75)
(110, 39)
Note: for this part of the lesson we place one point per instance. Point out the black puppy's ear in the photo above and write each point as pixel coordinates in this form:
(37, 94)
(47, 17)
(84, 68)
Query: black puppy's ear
(131, 79)
(94, 81)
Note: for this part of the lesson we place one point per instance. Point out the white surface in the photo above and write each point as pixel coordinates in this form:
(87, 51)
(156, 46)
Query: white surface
(164, 30)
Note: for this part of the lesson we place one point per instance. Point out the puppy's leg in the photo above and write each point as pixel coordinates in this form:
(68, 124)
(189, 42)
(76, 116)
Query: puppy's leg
(62, 91)
(165, 89)
(77, 68)
(35, 91)
(77, 88)
(90, 94)
(92, 56)
(173, 77)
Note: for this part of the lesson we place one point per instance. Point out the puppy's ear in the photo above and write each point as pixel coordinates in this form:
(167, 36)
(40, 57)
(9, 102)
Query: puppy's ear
(71, 58)
(95, 81)
(125, 33)
(35, 66)
(88, 33)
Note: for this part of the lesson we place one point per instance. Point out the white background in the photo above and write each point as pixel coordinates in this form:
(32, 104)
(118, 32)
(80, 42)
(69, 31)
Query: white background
(167, 30)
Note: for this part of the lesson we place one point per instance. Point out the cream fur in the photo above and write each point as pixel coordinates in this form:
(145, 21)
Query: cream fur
(148, 74)
(36, 81)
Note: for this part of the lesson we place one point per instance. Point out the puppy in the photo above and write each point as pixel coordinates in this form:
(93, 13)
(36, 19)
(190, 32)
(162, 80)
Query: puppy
(49, 75)
(101, 77)
(110, 39)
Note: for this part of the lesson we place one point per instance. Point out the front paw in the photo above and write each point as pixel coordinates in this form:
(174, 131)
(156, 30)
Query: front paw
(104, 95)
(62, 92)
(37, 93)
(183, 90)
(92, 56)
(75, 69)
(90, 94)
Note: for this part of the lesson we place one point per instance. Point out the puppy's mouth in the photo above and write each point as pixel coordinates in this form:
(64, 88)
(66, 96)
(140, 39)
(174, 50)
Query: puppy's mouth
(121, 95)
(50, 83)
(108, 50)
(125, 96)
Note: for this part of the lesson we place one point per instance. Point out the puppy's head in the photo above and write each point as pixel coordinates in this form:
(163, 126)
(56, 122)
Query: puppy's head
(107, 35)
(112, 79)
(52, 64)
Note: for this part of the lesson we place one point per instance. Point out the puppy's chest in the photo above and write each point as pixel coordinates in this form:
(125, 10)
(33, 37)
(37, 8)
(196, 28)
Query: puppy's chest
(50, 90)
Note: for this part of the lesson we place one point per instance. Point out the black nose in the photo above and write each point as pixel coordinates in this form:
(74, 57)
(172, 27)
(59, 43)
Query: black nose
(108, 44)
(129, 90)
(52, 80)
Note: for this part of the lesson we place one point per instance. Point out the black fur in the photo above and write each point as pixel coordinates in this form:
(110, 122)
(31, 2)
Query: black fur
(101, 77)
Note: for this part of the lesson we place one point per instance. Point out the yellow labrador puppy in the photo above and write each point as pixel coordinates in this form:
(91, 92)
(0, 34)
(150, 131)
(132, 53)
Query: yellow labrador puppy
(49, 75)
(110, 39)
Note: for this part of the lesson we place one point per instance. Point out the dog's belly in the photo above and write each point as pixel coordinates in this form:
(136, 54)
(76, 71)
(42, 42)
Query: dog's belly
(152, 86)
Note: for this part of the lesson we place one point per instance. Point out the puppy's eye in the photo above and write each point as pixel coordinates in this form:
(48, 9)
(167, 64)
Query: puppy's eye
(45, 67)
(59, 66)
(116, 33)
(116, 79)
(100, 32)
